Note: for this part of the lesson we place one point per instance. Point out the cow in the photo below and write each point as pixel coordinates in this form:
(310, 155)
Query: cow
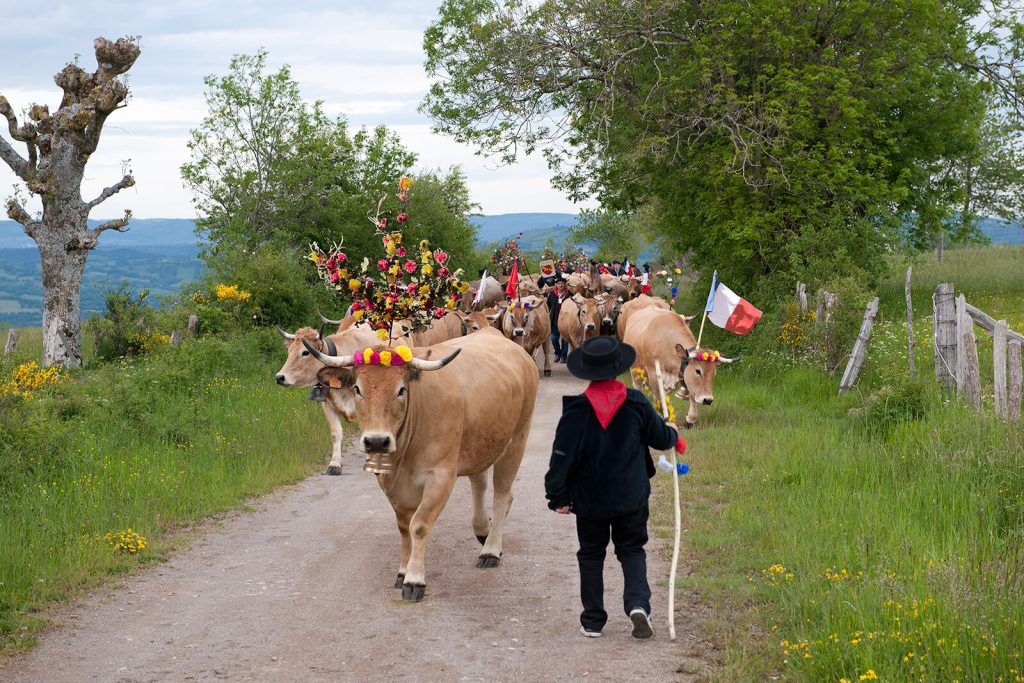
(300, 370)
(665, 336)
(527, 323)
(493, 295)
(614, 284)
(450, 326)
(628, 308)
(608, 309)
(578, 320)
(424, 424)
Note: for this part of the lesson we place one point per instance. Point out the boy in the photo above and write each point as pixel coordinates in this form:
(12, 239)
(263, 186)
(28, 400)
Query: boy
(600, 470)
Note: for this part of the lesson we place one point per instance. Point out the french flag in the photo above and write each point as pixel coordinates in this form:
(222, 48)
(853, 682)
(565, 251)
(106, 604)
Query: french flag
(729, 310)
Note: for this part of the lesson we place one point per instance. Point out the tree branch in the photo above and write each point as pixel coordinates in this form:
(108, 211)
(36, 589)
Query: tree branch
(119, 224)
(17, 162)
(109, 192)
(16, 212)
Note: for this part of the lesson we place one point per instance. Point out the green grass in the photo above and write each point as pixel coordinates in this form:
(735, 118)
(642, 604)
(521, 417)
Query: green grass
(151, 445)
(879, 531)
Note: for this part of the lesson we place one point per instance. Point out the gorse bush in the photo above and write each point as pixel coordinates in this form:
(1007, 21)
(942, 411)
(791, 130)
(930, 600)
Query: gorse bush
(126, 326)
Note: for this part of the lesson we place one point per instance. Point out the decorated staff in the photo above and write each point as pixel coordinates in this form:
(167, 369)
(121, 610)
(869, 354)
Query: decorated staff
(408, 284)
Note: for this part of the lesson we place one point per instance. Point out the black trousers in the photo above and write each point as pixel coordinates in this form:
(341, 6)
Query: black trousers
(629, 534)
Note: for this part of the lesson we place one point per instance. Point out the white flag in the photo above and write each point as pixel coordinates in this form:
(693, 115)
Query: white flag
(480, 289)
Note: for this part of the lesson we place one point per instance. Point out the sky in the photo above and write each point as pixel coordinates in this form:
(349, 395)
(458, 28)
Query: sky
(362, 58)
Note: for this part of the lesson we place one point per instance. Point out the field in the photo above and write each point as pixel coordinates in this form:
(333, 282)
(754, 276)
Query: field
(844, 538)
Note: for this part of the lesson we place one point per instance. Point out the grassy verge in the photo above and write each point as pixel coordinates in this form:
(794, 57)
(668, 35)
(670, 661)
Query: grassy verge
(145, 445)
(872, 536)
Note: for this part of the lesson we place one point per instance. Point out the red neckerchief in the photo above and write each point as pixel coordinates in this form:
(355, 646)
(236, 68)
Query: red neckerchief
(606, 396)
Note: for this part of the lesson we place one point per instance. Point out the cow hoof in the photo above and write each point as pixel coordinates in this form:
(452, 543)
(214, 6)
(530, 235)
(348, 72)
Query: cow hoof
(487, 562)
(688, 425)
(547, 372)
(334, 470)
(412, 593)
(400, 581)
(482, 539)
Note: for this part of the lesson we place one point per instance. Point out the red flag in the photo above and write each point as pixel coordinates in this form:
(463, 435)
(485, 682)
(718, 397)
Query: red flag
(513, 281)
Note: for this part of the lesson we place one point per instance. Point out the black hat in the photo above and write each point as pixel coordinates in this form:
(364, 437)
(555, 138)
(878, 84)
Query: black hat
(601, 358)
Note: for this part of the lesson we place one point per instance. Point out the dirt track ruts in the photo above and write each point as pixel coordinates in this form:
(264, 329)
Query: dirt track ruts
(300, 590)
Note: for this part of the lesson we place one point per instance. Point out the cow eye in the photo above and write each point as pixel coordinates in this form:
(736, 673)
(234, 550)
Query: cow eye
(699, 373)
(359, 392)
(305, 352)
(401, 392)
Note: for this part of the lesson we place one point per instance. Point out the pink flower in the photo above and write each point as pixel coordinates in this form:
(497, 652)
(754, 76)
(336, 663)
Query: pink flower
(410, 266)
(341, 257)
(439, 312)
(443, 272)
(402, 217)
(356, 305)
(413, 287)
(383, 222)
(382, 264)
(334, 276)
(401, 252)
(440, 256)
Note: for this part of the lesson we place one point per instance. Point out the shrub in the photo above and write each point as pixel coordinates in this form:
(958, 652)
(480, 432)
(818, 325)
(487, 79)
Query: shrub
(126, 326)
(834, 338)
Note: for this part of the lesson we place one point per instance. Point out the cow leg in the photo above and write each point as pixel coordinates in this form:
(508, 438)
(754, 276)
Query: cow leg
(337, 435)
(436, 490)
(481, 523)
(505, 470)
(691, 414)
(548, 350)
(403, 517)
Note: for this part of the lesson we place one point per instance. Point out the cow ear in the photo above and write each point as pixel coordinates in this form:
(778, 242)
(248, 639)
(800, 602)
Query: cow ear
(336, 378)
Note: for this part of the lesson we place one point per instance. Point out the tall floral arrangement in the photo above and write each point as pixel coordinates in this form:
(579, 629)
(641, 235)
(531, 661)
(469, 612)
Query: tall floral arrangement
(571, 259)
(408, 286)
(506, 255)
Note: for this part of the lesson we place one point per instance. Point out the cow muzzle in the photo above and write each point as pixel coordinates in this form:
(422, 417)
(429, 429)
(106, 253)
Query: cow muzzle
(377, 442)
(589, 327)
(282, 379)
(519, 332)
(706, 400)
(606, 321)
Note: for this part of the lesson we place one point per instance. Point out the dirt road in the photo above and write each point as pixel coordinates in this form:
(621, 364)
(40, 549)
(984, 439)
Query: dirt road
(300, 590)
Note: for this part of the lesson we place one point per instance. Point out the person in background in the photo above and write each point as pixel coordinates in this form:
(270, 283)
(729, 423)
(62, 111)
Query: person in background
(556, 296)
(600, 471)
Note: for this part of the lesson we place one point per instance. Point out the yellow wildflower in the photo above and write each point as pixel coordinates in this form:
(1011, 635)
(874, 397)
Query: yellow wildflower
(869, 675)
(396, 237)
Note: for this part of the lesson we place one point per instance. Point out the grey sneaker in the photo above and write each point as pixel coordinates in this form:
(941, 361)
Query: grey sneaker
(641, 623)
(588, 633)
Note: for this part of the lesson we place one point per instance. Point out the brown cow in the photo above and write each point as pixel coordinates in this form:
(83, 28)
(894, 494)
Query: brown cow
(578, 320)
(300, 370)
(450, 326)
(494, 294)
(665, 336)
(634, 305)
(608, 309)
(527, 323)
(424, 424)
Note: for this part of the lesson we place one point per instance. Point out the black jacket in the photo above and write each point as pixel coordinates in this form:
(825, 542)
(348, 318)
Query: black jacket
(555, 307)
(604, 473)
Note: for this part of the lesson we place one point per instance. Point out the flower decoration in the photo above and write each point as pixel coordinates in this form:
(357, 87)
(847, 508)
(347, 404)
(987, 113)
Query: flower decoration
(707, 356)
(400, 355)
(571, 259)
(406, 286)
(506, 255)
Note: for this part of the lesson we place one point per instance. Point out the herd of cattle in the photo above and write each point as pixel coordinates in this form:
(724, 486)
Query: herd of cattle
(423, 417)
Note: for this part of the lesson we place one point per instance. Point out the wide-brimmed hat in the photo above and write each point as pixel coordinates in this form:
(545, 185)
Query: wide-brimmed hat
(601, 358)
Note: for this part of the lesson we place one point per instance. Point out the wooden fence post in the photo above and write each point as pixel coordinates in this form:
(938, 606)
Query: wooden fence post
(963, 325)
(176, 337)
(910, 322)
(1016, 380)
(193, 325)
(969, 372)
(944, 323)
(999, 366)
(860, 347)
(12, 341)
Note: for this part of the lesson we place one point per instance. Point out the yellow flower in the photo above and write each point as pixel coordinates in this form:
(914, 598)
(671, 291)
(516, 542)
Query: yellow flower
(424, 290)
(869, 675)
(428, 270)
(382, 334)
(391, 248)
(369, 352)
(393, 270)
(405, 352)
(354, 285)
(678, 272)
(314, 257)
(404, 184)
(426, 256)
(385, 358)
(424, 245)
(396, 237)
(358, 315)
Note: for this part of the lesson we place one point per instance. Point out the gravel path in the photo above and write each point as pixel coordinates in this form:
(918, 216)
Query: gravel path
(300, 590)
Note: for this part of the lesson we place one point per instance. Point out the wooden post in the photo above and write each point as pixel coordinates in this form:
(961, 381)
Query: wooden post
(999, 366)
(1016, 380)
(819, 312)
(176, 337)
(987, 323)
(944, 322)
(193, 325)
(12, 341)
(830, 301)
(910, 322)
(963, 325)
(969, 372)
(860, 347)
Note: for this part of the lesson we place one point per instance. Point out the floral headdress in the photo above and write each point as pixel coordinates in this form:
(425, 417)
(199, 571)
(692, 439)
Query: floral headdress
(416, 286)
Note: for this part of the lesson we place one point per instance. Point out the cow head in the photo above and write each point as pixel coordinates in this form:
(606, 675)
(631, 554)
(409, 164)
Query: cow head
(300, 368)
(517, 320)
(381, 379)
(609, 308)
(589, 314)
(633, 288)
(697, 370)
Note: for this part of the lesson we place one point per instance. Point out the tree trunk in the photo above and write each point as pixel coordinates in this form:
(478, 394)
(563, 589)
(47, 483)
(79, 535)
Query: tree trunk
(63, 264)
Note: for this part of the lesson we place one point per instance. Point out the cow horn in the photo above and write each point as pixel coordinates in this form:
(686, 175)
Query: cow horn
(284, 334)
(329, 361)
(723, 359)
(689, 318)
(327, 320)
(421, 364)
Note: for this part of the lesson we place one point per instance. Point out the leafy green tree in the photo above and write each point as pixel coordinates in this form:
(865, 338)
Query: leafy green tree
(773, 139)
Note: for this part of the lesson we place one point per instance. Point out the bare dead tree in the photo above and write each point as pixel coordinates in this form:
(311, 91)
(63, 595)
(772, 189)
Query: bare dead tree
(58, 147)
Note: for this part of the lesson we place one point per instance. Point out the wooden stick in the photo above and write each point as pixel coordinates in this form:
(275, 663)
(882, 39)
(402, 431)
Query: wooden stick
(1016, 379)
(679, 522)
(910, 321)
(860, 347)
(701, 333)
(999, 367)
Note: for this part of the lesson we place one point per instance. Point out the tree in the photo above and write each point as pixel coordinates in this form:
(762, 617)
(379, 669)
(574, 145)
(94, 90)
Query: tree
(272, 173)
(775, 139)
(58, 147)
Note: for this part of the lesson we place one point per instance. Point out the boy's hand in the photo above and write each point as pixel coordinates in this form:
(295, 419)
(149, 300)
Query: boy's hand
(564, 510)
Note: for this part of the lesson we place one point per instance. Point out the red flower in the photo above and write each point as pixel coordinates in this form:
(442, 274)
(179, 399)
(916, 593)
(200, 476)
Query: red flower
(401, 252)
(356, 305)
(443, 272)
(334, 276)
(440, 256)
(413, 287)
(383, 222)
(439, 312)
(402, 217)
(410, 266)
(341, 257)
(382, 264)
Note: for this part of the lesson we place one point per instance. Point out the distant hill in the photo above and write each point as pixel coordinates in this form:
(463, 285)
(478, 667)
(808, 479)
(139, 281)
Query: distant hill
(1002, 233)
(500, 226)
(141, 232)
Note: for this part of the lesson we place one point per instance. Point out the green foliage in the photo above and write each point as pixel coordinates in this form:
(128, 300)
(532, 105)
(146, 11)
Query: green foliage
(773, 140)
(149, 443)
(126, 326)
